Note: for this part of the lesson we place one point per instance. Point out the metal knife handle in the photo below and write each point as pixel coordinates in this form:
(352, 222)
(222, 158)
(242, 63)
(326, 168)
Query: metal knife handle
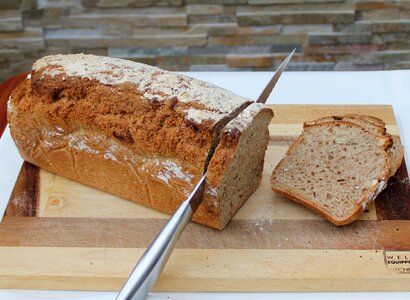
(150, 266)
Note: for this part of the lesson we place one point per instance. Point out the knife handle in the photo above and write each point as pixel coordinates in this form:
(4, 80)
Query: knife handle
(152, 262)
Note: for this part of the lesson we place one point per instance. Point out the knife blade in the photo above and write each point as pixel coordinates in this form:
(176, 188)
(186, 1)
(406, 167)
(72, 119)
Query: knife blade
(263, 97)
(149, 267)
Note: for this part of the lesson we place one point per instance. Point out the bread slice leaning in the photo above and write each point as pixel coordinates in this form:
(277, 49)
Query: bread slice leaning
(334, 168)
(361, 120)
(376, 126)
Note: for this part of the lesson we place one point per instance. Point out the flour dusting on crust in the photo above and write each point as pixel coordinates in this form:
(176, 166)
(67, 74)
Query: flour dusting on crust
(169, 169)
(245, 118)
(215, 103)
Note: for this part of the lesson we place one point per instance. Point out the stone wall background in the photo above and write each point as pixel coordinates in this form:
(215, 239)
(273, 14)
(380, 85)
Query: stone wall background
(215, 35)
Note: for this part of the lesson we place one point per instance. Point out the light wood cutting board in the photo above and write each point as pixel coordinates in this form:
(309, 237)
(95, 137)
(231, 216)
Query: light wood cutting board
(59, 234)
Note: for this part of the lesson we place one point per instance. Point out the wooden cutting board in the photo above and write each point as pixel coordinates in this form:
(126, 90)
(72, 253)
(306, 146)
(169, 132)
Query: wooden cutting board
(58, 234)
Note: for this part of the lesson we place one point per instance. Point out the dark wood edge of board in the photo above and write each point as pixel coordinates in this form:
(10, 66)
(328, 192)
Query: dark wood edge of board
(394, 202)
(25, 195)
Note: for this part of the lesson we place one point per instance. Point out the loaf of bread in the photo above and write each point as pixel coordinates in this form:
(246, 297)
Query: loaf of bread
(336, 168)
(138, 132)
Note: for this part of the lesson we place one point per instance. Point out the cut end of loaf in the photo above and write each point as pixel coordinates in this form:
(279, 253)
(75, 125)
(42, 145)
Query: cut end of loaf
(235, 170)
(335, 168)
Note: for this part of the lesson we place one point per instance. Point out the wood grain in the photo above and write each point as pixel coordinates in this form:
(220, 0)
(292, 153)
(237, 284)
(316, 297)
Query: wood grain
(240, 234)
(239, 270)
(59, 234)
(299, 113)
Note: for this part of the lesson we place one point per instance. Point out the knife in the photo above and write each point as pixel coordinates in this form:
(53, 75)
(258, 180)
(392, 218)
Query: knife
(269, 87)
(152, 262)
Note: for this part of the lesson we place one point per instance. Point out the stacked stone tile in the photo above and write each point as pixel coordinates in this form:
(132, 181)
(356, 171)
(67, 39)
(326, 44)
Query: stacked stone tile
(210, 35)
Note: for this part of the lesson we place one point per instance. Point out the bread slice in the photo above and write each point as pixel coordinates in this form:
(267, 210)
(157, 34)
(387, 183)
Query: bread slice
(235, 170)
(335, 168)
(376, 126)
(361, 120)
(371, 119)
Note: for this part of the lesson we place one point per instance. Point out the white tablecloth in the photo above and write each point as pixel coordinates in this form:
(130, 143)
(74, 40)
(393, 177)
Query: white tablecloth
(382, 87)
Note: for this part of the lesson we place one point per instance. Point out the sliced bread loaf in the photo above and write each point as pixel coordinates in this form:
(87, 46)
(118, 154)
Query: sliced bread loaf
(134, 130)
(335, 168)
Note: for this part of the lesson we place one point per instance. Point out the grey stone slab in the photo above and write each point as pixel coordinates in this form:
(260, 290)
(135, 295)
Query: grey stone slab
(388, 56)
(206, 19)
(286, 48)
(207, 59)
(136, 19)
(350, 66)
(267, 2)
(28, 4)
(306, 28)
(11, 20)
(294, 17)
(7, 55)
(68, 50)
(210, 68)
(146, 41)
(50, 17)
(401, 65)
(10, 4)
(258, 39)
(228, 2)
(378, 14)
(397, 45)
(391, 26)
(310, 66)
(130, 3)
(356, 27)
(339, 38)
(156, 51)
(204, 9)
(29, 39)
(44, 4)
(229, 49)
(65, 33)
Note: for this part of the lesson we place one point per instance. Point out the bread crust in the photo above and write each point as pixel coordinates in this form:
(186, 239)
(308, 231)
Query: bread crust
(366, 197)
(397, 154)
